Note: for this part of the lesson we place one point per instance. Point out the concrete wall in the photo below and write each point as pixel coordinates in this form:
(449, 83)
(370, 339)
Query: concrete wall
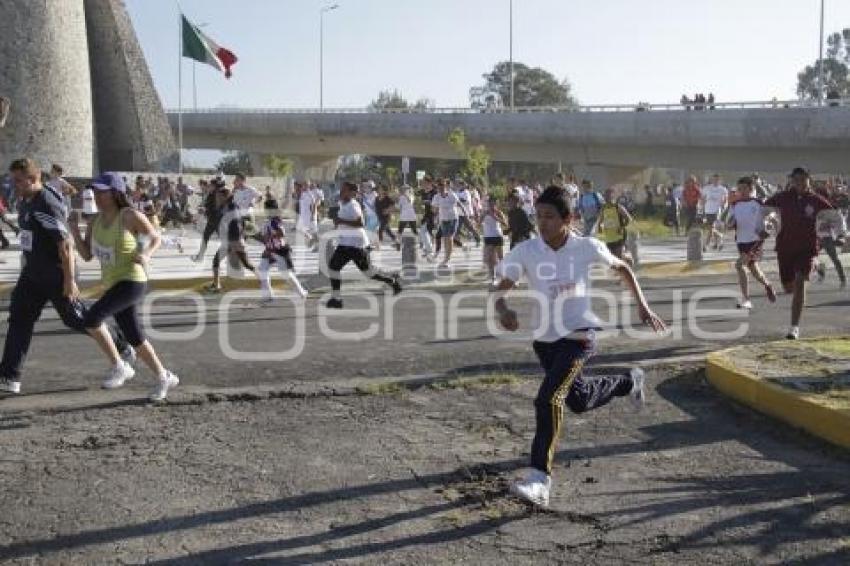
(745, 139)
(44, 70)
(132, 132)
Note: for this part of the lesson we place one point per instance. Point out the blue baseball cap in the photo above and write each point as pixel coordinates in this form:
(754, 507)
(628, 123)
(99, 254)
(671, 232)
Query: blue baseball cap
(108, 182)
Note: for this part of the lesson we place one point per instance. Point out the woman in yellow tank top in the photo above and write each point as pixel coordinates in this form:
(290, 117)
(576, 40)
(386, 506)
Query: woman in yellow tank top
(115, 238)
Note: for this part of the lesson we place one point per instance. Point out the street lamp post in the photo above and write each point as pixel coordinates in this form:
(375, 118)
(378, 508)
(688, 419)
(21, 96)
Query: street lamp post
(820, 58)
(511, 50)
(322, 53)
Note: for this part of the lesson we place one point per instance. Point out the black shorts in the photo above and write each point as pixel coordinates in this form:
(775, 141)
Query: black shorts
(748, 247)
(498, 241)
(616, 248)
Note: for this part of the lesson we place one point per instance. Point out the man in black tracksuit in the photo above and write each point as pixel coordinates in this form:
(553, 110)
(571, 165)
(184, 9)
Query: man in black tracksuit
(213, 213)
(47, 271)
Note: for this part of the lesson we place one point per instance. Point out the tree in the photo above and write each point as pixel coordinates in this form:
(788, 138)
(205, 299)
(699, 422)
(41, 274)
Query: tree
(235, 162)
(278, 166)
(393, 100)
(477, 157)
(533, 86)
(836, 70)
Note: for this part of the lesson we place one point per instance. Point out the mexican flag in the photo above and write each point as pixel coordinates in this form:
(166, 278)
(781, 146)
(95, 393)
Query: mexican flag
(201, 48)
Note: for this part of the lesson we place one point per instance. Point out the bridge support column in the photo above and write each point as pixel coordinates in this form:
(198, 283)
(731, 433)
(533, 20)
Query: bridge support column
(316, 168)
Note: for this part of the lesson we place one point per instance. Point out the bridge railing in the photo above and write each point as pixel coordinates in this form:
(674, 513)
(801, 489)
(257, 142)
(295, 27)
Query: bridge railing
(639, 107)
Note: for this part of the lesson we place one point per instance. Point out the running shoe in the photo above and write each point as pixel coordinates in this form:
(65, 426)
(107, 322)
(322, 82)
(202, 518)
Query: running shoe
(334, 303)
(746, 304)
(534, 488)
(118, 375)
(166, 382)
(793, 333)
(10, 385)
(637, 394)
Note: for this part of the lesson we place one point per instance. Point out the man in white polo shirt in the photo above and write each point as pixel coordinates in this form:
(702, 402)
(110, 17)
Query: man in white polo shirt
(557, 266)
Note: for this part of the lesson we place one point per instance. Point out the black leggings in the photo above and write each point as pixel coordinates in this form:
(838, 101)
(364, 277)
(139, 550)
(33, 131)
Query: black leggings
(343, 254)
(120, 301)
(384, 227)
(402, 224)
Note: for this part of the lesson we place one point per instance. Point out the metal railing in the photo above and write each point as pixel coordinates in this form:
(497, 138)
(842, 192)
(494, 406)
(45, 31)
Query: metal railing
(599, 108)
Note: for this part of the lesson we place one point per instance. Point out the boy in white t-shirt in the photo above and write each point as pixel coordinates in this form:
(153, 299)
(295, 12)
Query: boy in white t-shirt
(557, 266)
(747, 217)
(714, 200)
(351, 246)
(407, 211)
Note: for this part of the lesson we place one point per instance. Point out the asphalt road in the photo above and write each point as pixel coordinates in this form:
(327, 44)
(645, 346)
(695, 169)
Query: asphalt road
(229, 342)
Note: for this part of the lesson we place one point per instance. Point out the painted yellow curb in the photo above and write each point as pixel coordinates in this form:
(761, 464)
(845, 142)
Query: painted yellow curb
(808, 411)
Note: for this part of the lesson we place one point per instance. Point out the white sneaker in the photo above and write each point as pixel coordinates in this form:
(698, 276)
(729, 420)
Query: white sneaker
(534, 488)
(161, 390)
(118, 374)
(128, 354)
(745, 305)
(793, 333)
(637, 394)
(9, 386)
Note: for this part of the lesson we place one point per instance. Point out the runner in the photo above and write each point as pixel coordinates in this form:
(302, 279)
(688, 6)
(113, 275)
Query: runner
(494, 239)
(465, 214)
(246, 197)
(557, 267)
(277, 252)
(123, 241)
(407, 211)
(307, 206)
(589, 204)
(232, 236)
(714, 198)
(352, 247)
(747, 217)
(520, 227)
(613, 219)
(47, 268)
(797, 241)
(212, 211)
(830, 230)
(384, 207)
(446, 204)
(691, 196)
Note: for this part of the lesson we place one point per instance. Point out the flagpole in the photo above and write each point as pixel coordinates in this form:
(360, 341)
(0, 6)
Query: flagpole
(180, 99)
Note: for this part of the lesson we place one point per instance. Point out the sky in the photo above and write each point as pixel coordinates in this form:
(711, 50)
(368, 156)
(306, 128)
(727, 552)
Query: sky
(611, 51)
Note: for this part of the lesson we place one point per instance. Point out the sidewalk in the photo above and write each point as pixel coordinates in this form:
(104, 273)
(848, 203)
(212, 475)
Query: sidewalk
(805, 383)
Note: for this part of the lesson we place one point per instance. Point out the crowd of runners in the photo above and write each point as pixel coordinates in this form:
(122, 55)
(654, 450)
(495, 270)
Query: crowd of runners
(554, 235)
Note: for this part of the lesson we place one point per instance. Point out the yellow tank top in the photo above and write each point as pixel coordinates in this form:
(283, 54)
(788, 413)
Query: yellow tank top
(611, 229)
(115, 247)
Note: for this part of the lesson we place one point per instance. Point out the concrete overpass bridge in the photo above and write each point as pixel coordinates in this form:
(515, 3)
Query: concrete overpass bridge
(603, 141)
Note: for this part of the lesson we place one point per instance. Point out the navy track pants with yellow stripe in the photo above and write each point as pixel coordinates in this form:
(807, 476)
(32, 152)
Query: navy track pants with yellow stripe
(563, 361)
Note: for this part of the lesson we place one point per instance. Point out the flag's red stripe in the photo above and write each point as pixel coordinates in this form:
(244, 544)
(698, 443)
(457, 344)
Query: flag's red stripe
(227, 58)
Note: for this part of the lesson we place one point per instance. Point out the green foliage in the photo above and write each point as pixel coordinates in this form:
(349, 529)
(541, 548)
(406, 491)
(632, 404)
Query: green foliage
(278, 166)
(235, 162)
(836, 70)
(477, 158)
(533, 86)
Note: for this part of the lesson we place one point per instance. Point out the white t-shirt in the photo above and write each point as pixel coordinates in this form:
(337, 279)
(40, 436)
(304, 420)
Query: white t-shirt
(465, 199)
(561, 278)
(305, 206)
(715, 196)
(349, 235)
(446, 205)
(749, 220)
(573, 193)
(491, 227)
(246, 197)
(406, 211)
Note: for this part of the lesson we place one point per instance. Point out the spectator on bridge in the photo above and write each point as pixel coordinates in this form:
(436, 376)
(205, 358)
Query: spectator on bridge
(711, 101)
(691, 196)
(686, 102)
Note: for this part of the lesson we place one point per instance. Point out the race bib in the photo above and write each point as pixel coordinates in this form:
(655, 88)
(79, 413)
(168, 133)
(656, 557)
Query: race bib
(104, 254)
(26, 240)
